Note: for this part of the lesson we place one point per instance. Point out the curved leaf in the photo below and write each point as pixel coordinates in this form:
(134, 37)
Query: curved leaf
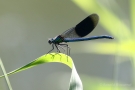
(47, 58)
(75, 81)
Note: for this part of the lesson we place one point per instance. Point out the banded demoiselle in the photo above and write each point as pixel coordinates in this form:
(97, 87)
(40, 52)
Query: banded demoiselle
(77, 33)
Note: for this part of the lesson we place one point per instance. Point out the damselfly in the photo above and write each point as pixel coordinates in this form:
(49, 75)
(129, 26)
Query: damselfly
(77, 33)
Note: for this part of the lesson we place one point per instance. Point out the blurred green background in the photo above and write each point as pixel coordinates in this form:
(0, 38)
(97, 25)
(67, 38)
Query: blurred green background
(25, 27)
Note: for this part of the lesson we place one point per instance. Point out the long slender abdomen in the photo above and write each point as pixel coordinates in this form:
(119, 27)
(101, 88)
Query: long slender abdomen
(88, 38)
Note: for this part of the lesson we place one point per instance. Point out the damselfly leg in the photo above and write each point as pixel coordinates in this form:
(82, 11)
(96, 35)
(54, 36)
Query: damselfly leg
(68, 49)
(58, 50)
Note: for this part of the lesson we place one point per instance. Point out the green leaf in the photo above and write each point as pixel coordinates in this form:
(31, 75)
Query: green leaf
(75, 81)
(6, 77)
(47, 58)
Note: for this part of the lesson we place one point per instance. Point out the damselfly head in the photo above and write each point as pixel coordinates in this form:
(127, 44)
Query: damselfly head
(50, 40)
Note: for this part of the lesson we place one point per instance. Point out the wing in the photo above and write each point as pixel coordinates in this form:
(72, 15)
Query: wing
(70, 33)
(83, 28)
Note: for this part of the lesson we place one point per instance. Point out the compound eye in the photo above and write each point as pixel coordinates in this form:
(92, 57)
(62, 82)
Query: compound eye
(49, 41)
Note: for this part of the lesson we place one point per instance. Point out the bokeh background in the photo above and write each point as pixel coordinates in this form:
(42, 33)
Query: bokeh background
(26, 25)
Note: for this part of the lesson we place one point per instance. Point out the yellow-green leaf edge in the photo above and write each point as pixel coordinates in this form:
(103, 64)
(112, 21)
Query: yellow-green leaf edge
(47, 58)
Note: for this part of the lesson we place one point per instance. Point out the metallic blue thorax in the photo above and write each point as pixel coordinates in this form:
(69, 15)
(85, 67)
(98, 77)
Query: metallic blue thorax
(57, 39)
